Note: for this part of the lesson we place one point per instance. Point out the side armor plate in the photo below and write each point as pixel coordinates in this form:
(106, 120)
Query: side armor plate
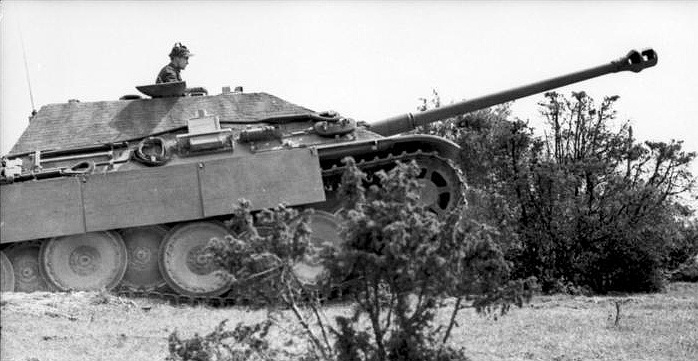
(171, 193)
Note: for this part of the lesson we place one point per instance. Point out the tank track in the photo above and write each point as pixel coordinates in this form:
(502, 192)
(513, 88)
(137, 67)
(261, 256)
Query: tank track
(390, 159)
(231, 298)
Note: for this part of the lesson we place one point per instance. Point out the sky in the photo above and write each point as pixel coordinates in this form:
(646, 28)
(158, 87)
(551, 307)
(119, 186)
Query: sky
(368, 60)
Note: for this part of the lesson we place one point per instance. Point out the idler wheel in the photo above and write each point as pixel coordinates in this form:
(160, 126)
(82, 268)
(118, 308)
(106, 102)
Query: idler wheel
(7, 275)
(84, 262)
(25, 263)
(441, 186)
(143, 248)
(183, 262)
(325, 227)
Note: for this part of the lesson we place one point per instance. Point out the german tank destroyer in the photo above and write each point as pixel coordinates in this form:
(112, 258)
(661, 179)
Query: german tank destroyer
(127, 193)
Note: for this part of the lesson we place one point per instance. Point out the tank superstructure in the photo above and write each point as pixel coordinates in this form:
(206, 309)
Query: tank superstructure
(127, 193)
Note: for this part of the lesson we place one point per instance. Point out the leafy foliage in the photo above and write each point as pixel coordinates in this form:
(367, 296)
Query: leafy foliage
(686, 272)
(407, 261)
(261, 256)
(242, 343)
(260, 261)
(586, 206)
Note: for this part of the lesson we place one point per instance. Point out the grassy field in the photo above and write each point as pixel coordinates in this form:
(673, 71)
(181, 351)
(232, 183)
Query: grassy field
(92, 326)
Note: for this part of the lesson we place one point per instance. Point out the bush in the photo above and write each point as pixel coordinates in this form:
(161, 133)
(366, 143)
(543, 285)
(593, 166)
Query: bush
(687, 272)
(242, 343)
(406, 263)
(586, 205)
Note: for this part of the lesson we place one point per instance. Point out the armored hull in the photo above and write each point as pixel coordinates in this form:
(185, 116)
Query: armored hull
(127, 193)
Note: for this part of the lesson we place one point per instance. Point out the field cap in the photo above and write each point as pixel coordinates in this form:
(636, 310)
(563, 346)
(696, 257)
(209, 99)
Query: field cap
(180, 50)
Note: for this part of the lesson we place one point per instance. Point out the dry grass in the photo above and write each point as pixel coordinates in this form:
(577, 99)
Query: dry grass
(94, 326)
(651, 327)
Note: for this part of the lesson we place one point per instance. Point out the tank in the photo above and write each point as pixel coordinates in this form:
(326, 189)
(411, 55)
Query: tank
(126, 193)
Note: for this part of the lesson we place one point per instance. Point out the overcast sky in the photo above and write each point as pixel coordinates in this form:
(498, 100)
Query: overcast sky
(366, 59)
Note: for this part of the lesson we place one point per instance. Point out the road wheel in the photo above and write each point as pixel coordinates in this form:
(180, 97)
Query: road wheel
(143, 246)
(84, 262)
(183, 262)
(25, 263)
(7, 277)
(325, 227)
(442, 188)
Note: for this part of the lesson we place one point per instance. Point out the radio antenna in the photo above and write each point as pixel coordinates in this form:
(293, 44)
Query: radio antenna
(26, 70)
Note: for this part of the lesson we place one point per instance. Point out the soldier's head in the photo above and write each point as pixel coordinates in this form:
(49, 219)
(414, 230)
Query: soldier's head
(179, 56)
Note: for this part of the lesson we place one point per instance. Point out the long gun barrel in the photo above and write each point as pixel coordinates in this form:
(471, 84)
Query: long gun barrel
(634, 61)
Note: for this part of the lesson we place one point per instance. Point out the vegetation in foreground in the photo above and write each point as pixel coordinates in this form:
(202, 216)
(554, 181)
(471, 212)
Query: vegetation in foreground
(93, 326)
(404, 261)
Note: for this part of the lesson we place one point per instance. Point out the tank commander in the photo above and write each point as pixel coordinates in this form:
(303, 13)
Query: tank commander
(179, 58)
